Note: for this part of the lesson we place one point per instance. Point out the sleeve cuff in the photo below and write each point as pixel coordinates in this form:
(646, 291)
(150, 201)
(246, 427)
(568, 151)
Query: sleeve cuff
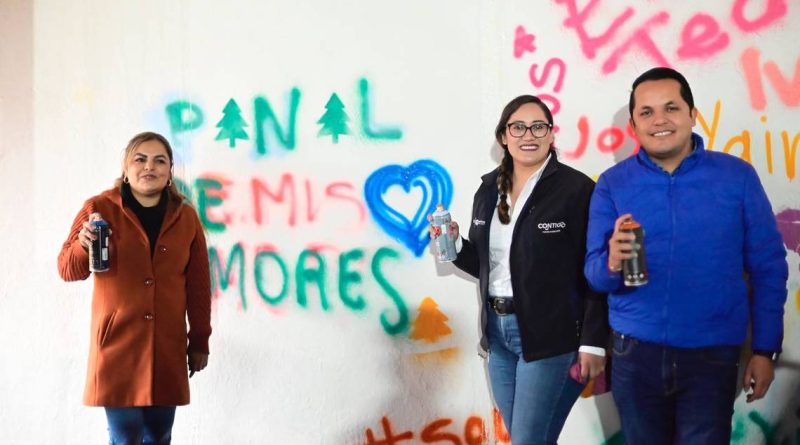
(459, 244)
(198, 343)
(593, 350)
(80, 253)
(604, 279)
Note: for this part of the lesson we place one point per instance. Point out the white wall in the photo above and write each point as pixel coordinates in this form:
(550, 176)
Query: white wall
(80, 78)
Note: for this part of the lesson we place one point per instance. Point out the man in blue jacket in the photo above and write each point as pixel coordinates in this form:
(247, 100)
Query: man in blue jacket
(708, 223)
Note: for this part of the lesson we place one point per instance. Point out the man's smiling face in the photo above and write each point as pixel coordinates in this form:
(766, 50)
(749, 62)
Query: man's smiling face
(663, 121)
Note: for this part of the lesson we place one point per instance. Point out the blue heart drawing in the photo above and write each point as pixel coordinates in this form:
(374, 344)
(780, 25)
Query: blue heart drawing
(436, 186)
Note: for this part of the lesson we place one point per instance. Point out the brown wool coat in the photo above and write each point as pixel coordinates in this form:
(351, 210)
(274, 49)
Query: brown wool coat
(138, 338)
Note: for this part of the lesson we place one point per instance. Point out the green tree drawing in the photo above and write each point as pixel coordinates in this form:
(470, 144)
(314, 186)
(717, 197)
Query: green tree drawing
(334, 121)
(232, 124)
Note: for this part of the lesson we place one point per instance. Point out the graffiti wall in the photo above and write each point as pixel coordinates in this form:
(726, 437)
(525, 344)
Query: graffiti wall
(313, 139)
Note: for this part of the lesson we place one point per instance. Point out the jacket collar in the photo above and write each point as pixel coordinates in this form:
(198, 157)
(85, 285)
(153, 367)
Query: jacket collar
(697, 155)
(115, 197)
(551, 167)
(491, 192)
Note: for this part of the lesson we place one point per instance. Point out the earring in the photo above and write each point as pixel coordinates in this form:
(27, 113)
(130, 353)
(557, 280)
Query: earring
(169, 182)
(126, 180)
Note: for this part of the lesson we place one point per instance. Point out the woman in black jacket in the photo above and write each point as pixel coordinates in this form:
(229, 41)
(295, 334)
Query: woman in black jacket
(527, 243)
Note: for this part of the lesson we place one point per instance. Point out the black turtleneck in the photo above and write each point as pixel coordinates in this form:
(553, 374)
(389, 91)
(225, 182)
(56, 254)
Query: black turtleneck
(150, 217)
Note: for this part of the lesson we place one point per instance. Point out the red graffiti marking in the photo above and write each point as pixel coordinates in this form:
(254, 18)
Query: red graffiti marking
(702, 37)
(788, 90)
(321, 247)
(389, 437)
(553, 104)
(474, 433)
(617, 138)
(583, 139)
(540, 81)
(608, 140)
(336, 203)
(641, 38)
(286, 193)
(577, 19)
(752, 76)
(774, 11)
(213, 195)
(523, 42)
(500, 432)
(431, 434)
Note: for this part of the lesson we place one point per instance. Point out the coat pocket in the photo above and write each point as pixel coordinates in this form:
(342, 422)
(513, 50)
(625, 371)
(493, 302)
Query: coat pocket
(107, 326)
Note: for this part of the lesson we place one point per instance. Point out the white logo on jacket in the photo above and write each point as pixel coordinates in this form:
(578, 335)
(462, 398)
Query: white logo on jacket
(478, 222)
(552, 227)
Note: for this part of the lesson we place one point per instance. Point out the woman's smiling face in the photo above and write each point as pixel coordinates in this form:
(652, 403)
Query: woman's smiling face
(148, 169)
(528, 151)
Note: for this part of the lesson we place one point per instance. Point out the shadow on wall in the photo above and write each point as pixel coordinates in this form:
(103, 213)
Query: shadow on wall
(496, 153)
(786, 430)
(780, 423)
(609, 419)
(618, 139)
(620, 120)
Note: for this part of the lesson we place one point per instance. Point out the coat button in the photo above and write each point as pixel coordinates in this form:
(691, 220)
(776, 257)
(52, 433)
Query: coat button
(162, 249)
(148, 282)
(148, 316)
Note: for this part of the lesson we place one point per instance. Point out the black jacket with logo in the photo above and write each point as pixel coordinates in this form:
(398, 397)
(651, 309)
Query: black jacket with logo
(556, 310)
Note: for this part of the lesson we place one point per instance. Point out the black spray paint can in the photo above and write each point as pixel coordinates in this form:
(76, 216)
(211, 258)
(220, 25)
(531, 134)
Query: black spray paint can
(634, 270)
(98, 254)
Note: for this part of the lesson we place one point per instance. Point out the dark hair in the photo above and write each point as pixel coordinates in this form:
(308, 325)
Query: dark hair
(134, 143)
(506, 170)
(661, 73)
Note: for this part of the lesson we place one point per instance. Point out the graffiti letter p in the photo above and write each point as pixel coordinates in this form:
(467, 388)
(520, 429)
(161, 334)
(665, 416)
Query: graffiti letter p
(183, 116)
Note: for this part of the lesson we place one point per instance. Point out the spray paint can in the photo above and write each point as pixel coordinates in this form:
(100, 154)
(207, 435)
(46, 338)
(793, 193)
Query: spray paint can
(445, 245)
(634, 270)
(98, 254)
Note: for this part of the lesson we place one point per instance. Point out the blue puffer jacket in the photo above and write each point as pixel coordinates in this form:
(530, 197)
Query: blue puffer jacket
(706, 225)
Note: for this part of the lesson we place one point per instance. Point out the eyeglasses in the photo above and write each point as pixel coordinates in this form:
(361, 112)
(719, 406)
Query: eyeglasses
(538, 129)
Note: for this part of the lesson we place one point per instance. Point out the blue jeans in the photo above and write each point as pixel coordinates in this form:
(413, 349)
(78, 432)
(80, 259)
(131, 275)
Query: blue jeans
(669, 395)
(534, 398)
(140, 425)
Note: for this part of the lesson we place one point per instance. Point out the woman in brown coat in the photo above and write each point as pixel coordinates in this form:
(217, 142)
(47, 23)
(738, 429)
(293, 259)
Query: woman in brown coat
(158, 277)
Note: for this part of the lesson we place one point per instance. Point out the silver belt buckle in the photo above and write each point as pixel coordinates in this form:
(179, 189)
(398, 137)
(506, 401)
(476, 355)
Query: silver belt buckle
(499, 306)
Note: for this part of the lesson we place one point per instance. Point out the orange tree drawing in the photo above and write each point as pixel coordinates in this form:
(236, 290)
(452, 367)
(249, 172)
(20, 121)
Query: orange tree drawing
(430, 324)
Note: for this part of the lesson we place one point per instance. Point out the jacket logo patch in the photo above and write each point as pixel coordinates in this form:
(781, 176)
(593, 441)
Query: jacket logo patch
(552, 227)
(478, 222)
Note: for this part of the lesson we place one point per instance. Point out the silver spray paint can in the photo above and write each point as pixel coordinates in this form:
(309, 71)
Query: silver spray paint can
(98, 254)
(445, 245)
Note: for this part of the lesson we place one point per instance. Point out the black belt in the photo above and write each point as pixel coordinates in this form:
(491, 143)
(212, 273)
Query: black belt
(502, 305)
